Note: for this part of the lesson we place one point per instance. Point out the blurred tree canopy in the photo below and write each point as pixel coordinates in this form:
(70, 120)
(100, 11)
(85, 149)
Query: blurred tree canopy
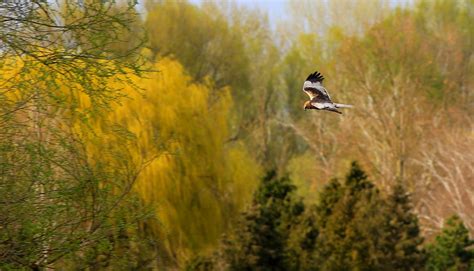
(452, 249)
(182, 139)
(56, 200)
(352, 227)
(133, 137)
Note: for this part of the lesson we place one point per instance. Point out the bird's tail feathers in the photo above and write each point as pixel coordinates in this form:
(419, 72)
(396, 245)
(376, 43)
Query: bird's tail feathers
(343, 105)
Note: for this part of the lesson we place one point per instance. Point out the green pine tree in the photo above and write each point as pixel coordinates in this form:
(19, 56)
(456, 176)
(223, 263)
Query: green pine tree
(328, 198)
(342, 243)
(302, 241)
(260, 242)
(359, 229)
(452, 248)
(400, 240)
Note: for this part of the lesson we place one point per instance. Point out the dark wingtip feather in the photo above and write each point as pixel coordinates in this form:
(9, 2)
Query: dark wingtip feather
(315, 77)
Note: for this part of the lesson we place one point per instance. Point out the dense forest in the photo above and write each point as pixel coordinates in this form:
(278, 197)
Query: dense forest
(170, 135)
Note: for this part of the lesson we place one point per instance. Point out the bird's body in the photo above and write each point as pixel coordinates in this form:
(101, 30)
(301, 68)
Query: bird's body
(319, 98)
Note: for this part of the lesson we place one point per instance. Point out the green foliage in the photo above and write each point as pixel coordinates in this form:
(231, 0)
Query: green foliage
(328, 198)
(361, 230)
(203, 42)
(201, 264)
(48, 47)
(303, 241)
(352, 227)
(260, 241)
(343, 241)
(452, 248)
(401, 233)
(74, 150)
(56, 70)
(56, 202)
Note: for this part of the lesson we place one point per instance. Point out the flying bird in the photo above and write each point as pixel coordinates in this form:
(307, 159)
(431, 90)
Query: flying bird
(319, 98)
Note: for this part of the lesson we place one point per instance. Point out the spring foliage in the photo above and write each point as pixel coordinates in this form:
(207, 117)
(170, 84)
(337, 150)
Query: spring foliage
(452, 248)
(352, 227)
(102, 166)
(181, 130)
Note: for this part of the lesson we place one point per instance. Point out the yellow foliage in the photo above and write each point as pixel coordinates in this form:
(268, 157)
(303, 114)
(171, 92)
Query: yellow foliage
(196, 180)
(175, 135)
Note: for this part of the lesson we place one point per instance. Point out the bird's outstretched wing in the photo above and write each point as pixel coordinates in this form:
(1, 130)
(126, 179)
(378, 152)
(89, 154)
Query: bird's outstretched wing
(313, 86)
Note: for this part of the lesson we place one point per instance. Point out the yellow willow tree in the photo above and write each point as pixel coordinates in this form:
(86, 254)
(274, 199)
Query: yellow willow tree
(196, 180)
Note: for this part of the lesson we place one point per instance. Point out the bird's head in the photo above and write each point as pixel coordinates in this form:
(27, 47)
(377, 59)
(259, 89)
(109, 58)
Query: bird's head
(307, 105)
